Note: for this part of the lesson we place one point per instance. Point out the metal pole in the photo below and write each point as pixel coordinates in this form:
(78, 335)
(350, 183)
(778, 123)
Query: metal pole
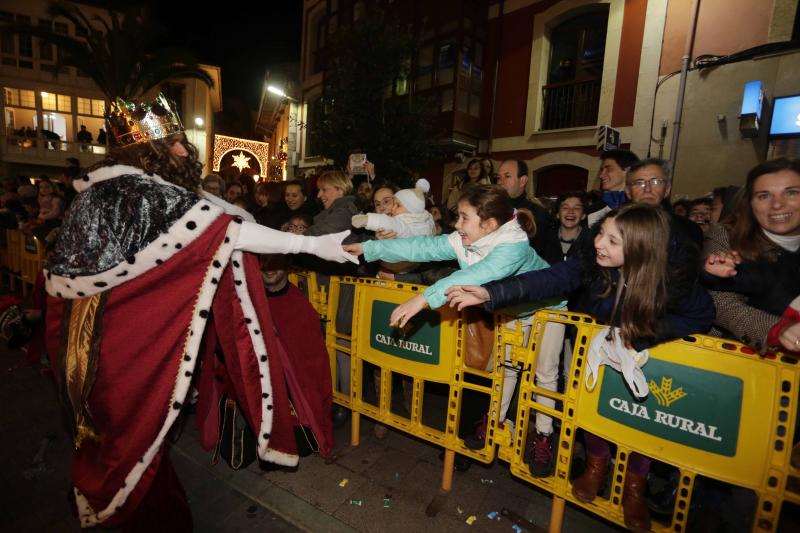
(447, 470)
(556, 515)
(687, 55)
(355, 428)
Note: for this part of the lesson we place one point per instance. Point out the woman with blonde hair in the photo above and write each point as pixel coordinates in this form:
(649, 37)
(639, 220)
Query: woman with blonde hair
(339, 205)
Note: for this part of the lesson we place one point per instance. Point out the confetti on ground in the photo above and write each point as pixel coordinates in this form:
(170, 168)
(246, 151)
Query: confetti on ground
(356, 502)
(471, 520)
(493, 515)
(516, 528)
(487, 481)
(344, 482)
(460, 510)
(386, 502)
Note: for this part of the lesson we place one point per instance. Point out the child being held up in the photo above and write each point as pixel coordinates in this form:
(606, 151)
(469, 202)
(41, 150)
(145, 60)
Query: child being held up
(409, 217)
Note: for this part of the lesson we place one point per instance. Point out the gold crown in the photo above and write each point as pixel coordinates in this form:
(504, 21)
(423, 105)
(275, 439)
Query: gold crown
(134, 123)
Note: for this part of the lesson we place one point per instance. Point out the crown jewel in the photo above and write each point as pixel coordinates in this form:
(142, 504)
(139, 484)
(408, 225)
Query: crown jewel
(133, 123)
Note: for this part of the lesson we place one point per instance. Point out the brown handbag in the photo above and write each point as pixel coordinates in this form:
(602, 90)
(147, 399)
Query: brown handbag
(478, 339)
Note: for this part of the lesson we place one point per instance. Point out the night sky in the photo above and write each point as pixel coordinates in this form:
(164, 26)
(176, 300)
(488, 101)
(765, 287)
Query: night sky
(244, 38)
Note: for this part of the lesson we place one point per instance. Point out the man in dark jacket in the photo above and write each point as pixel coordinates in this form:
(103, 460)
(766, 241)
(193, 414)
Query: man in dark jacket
(513, 177)
(648, 182)
(614, 164)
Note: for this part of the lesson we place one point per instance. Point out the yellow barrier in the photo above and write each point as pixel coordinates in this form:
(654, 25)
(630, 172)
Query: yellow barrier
(24, 259)
(714, 410)
(31, 260)
(428, 351)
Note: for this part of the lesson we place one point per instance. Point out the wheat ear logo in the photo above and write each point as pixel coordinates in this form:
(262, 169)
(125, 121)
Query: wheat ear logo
(665, 394)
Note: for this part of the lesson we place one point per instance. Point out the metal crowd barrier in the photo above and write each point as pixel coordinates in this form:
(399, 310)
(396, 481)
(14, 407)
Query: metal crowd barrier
(716, 411)
(22, 258)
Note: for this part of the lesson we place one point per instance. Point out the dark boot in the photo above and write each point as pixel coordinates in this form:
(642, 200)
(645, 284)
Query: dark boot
(542, 457)
(634, 503)
(586, 487)
(477, 440)
(339, 415)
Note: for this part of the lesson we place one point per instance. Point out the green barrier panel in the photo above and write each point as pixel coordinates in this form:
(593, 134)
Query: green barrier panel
(714, 410)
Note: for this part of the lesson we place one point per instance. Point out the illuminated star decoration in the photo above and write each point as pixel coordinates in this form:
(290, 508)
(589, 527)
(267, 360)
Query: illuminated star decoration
(241, 161)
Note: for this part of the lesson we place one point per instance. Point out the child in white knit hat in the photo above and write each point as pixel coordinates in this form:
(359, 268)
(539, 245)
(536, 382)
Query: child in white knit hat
(409, 217)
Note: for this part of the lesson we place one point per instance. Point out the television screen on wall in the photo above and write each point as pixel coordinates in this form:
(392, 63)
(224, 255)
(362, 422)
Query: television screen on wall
(785, 116)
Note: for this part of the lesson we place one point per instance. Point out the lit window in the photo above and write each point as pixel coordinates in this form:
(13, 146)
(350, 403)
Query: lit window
(64, 103)
(98, 108)
(27, 98)
(90, 106)
(84, 106)
(49, 102)
(11, 96)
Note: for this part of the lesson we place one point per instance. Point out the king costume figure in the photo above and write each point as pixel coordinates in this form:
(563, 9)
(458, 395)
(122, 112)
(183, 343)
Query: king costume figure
(149, 281)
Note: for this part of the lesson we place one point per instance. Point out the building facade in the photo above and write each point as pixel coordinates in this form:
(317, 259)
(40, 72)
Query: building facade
(43, 114)
(535, 79)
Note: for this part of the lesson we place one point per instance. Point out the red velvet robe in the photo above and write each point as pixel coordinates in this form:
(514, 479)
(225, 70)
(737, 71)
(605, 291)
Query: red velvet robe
(308, 373)
(152, 332)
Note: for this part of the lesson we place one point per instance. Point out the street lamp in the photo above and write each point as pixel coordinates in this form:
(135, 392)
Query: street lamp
(275, 90)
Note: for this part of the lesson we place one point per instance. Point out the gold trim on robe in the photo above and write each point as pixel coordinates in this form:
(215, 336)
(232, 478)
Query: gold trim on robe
(83, 319)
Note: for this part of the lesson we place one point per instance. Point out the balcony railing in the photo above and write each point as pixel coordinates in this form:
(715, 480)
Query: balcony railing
(38, 150)
(570, 104)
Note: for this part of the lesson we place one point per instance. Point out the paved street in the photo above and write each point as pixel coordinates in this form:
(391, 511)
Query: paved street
(34, 459)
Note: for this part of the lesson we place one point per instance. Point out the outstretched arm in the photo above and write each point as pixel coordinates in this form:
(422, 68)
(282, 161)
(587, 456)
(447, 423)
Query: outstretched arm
(376, 221)
(417, 249)
(558, 280)
(461, 296)
(263, 240)
(405, 311)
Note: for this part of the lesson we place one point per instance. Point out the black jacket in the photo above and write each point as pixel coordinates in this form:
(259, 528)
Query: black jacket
(543, 241)
(769, 285)
(689, 308)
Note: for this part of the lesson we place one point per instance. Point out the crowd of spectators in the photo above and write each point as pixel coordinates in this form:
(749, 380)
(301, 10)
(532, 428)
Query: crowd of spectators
(737, 247)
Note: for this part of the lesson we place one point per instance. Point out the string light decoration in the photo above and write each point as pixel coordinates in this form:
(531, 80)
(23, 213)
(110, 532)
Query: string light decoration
(276, 172)
(241, 161)
(283, 156)
(224, 144)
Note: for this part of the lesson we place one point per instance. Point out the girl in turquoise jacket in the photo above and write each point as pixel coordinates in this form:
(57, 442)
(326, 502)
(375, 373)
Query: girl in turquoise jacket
(489, 244)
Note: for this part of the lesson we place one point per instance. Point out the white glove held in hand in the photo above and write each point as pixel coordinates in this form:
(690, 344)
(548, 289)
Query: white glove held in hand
(359, 221)
(328, 247)
(613, 353)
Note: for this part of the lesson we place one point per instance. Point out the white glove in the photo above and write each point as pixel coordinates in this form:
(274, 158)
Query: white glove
(624, 360)
(359, 221)
(328, 247)
(263, 240)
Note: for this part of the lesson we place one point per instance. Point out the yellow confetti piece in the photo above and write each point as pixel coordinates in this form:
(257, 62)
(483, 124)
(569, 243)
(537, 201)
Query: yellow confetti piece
(344, 482)
(471, 519)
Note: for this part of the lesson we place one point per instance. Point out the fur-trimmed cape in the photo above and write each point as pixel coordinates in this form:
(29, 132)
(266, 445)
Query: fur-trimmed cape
(142, 272)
